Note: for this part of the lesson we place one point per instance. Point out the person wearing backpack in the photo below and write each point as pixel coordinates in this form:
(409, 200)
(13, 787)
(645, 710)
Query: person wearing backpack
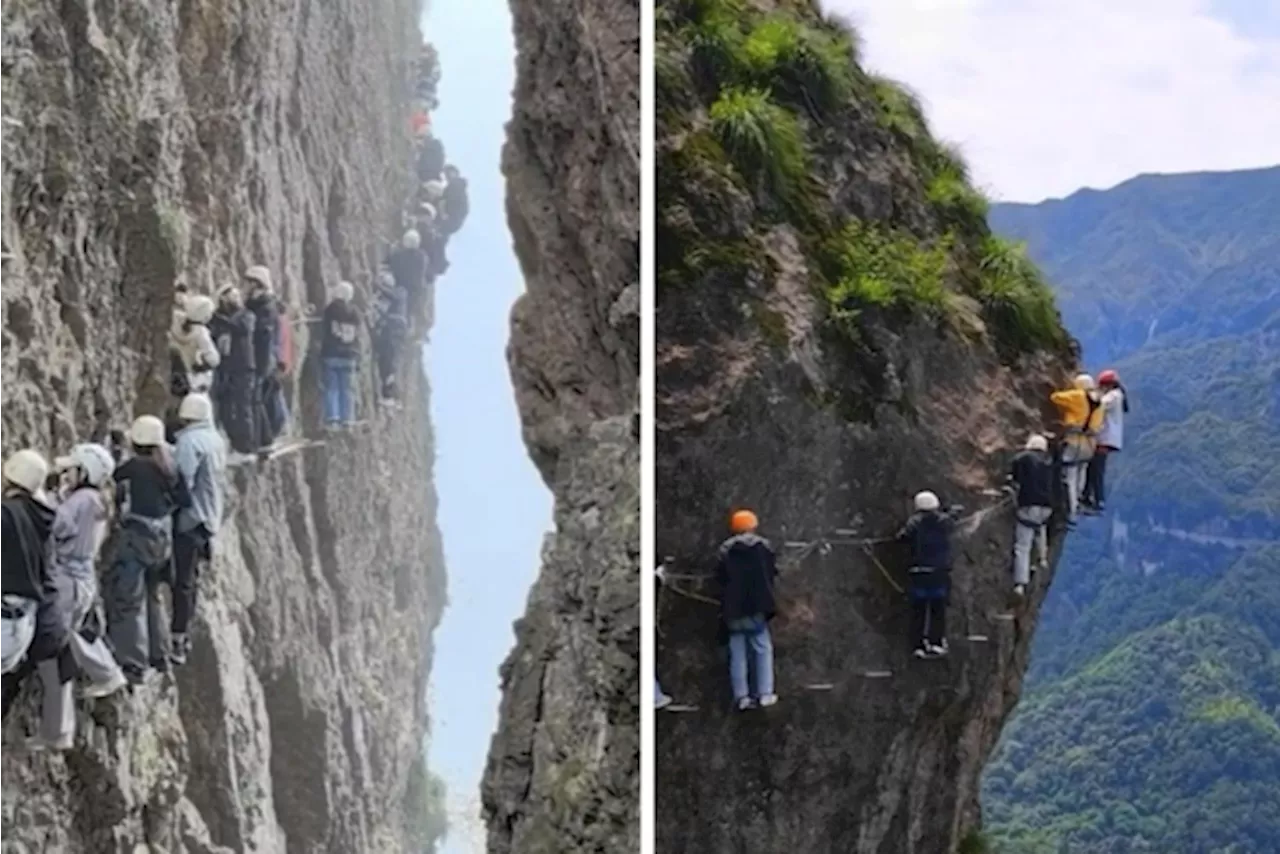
(1114, 407)
(390, 325)
(1031, 479)
(928, 533)
(1081, 414)
(149, 492)
(235, 383)
(746, 571)
(270, 411)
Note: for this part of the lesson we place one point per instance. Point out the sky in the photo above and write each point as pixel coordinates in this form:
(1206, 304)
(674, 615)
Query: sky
(494, 509)
(1047, 96)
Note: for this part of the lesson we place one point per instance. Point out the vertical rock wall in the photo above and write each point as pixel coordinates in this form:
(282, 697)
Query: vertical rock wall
(563, 770)
(146, 143)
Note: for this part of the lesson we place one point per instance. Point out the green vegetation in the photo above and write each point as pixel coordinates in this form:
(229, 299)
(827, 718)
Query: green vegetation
(426, 817)
(764, 140)
(1017, 299)
(900, 110)
(885, 269)
(955, 198)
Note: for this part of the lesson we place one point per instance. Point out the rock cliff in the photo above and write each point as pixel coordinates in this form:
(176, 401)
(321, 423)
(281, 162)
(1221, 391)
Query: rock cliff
(836, 329)
(563, 772)
(151, 143)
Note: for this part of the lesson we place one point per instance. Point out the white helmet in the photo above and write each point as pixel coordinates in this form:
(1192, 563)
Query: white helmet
(428, 211)
(26, 469)
(147, 432)
(927, 501)
(1037, 442)
(345, 291)
(1084, 382)
(199, 309)
(434, 188)
(94, 461)
(411, 239)
(196, 407)
(260, 275)
(231, 294)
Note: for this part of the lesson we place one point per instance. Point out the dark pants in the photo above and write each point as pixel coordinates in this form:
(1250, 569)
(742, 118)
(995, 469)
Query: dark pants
(237, 410)
(929, 615)
(270, 410)
(12, 681)
(1095, 484)
(387, 348)
(189, 548)
(134, 616)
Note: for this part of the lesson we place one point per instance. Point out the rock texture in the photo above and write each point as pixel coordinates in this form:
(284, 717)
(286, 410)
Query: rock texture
(147, 143)
(563, 771)
(766, 400)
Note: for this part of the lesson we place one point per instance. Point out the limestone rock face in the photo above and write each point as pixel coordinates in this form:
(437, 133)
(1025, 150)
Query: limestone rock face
(147, 143)
(563, 771)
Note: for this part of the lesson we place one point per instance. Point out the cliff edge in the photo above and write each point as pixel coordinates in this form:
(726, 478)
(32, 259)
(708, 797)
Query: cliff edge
(564, 767)
(836, 330)
(150, 144)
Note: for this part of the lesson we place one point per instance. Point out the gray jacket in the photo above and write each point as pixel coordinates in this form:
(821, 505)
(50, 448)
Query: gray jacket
(201, 457)
(77, 526)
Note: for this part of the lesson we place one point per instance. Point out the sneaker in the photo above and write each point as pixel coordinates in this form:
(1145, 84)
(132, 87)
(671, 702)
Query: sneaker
(662, 701)
(1019, 590)
(744, 703)
(160, 665)
(940, 649)
(1039, 566)
(923, 652)
(137, 675)
(181, 646)
(105, 689)
(39, 744)
(767, 700)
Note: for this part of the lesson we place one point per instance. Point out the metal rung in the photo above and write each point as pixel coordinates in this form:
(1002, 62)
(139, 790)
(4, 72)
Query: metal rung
(978, 638)
(877, 674)
(678, 708)
(820, 686)
(1006, 617)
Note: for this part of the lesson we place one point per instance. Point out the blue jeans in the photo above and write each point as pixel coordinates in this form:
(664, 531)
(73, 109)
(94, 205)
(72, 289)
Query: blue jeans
(750, 632)
(339, 403)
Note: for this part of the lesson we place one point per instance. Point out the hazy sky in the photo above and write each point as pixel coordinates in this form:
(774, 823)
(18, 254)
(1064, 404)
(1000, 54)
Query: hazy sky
(1046, 96)
(493, 507)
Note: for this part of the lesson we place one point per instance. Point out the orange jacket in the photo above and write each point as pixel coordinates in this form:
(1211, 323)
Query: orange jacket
(1081, 424)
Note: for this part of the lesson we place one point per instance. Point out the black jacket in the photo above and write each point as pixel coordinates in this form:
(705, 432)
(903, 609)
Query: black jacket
(409, 266)
(232, 332)
(391, 310)
(1032, 472)
(430, 159)
(928, 533)
(24, 541)
(266, 330)
(341, 331)
(144, 488)
(746, 572)
(456, 205)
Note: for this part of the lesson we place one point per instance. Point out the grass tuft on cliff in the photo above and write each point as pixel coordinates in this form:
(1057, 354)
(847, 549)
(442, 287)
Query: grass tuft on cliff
(886, 214)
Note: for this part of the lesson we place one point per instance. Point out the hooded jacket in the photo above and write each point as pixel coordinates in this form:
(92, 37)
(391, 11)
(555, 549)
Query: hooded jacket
(201, 458)
(928, 533)
(409, 267)
(746, 571)
(78, 529)
(340, 339)
(456, 205)
(1032, 473)
(232, 330)
(27, 524)
(1114, 406)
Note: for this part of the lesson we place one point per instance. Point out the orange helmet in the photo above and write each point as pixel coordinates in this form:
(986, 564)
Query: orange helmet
(743, 521)
(1108, 378)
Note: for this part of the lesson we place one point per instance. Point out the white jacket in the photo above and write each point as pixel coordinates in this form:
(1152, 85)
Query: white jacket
(199, 355)
(1112, 431)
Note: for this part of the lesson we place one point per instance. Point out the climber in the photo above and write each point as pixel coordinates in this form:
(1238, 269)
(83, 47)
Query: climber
(27, 522)
(236, 378)
(1110, 439)
(435, 244)
(1081, 416)
(928, 532)
(1031, 477)
(340, 350)
(430, 159)
(33, 625)
(270, 410)
(746, 572)
(201, 459)
(433, 190)
(80, 529)
(409, 266)
(456, 205)
(148, 493)
(194, 344)
(660, 699)
(390, 324)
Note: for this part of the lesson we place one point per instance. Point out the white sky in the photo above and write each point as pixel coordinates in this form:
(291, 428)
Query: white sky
(1047, 96)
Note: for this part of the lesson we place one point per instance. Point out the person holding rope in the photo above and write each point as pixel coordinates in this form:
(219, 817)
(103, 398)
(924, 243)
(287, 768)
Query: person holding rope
(928, 533)
(746, 572)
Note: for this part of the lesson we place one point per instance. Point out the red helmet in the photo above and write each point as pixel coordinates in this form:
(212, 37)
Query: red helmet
(1108, 377)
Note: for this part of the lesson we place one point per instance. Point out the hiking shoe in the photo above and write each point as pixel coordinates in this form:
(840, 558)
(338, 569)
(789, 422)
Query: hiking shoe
(923, 652)
(40, 744)
(662, 701)
(940, 649)
(181, 646)
(105, 689)
(744, 703)
(1019, 590)
(767, 700)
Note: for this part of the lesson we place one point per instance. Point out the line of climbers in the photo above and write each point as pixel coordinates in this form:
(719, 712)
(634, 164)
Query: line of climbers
(746, 566)
(159, 509)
